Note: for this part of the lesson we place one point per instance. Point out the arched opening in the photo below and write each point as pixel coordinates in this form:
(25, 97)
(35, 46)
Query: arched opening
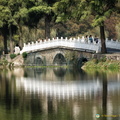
(81, 61)
(59, 59)
(38, 61)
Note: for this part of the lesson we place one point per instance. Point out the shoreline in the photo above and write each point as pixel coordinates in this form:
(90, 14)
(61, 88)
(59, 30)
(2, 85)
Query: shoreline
(101, 64)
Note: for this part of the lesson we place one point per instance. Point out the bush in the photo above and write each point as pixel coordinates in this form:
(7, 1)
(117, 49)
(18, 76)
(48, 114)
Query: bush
(24, 55)
(95, 61)
(103, 59)
(12, 56)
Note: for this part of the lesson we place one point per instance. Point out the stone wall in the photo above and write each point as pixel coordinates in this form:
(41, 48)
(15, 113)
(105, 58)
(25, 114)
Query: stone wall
(112, 57)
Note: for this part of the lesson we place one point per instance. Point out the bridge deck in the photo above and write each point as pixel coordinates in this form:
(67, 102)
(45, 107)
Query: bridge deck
(78, 44)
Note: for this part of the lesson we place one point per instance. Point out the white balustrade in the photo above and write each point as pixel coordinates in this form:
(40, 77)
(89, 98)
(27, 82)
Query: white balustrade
(78, 43)
(83, 39)
(113, 44)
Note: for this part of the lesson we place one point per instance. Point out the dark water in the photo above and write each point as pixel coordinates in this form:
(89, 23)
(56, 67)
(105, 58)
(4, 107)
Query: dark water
(59, 94)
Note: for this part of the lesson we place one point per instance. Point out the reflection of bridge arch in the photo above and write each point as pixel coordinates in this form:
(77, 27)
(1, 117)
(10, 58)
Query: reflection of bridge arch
(59, 72)
(59, 59)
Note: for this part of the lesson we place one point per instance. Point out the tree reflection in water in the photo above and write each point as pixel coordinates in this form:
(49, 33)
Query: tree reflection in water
(104, 95)
(38, 96)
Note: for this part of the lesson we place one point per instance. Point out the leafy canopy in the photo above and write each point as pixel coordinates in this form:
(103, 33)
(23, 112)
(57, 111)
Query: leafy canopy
(82, 9)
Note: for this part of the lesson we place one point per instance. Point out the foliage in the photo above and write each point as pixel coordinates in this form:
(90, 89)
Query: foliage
(16, 37)
(72, 58)
(24, 54)
(101, 10)
(103, 59)
(102, 64)
(12, 56)
(4, 62)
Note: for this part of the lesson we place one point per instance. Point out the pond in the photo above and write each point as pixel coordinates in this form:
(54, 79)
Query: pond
(59, 94)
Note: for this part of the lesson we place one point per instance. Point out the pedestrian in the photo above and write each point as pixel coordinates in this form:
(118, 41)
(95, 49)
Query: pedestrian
(86, 39)
(90, 39)
(96, 39)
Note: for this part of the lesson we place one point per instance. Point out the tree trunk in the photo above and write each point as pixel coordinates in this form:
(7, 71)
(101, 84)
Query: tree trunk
(11, 42)
(20, 36)
(5, 44)
(104, 96)
(4, 33)
(47, 26)
(102, 36)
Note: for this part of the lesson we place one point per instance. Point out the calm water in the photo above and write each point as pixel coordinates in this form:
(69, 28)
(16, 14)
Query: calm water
(59, 94)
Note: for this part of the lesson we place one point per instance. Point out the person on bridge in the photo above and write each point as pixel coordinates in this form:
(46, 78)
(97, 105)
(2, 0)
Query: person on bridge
(86, 39)
(96, 39)
(90, 39)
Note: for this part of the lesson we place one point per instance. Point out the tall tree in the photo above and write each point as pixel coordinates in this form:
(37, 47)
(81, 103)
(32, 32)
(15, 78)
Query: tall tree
(20, 16)
(42, 9)
(11, 12)
(4, 18)
(80, 9)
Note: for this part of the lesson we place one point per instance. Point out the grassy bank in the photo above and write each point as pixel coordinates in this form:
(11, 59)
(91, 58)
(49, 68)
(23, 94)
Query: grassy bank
(5, 64)
(101, 64)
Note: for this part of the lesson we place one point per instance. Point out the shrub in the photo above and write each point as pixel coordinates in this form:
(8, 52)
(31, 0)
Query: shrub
(103, 59)
(12, 56)
(96, 61)
(24, 55)
(4, 63)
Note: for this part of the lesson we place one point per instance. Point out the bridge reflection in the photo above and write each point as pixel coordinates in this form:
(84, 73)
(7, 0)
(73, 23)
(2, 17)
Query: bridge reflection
(66, 89)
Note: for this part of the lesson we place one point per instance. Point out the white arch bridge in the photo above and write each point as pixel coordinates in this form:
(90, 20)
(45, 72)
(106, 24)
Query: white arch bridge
(72, 43)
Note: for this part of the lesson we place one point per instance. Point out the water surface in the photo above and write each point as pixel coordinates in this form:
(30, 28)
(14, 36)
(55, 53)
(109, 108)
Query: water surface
(59, 94)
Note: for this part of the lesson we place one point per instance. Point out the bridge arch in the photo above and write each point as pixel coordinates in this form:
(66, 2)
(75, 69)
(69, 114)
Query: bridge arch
(81, 61)
(59, 59)
(39, 60)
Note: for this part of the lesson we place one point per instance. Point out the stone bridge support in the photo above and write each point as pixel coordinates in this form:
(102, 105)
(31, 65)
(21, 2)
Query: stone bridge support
(56, 56)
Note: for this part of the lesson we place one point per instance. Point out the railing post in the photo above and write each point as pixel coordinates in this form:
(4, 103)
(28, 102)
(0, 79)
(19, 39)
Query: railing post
(78, 39)
(83, 39)
(24, 44)
(28, 44)
(61, 38)
(106, 39)
(40, 41)
(32, 43)
(36, 42)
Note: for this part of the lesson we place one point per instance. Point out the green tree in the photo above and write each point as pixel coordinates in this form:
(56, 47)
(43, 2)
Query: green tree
(41, 9)
(5, 22)
(11, 12)
(20, 16)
